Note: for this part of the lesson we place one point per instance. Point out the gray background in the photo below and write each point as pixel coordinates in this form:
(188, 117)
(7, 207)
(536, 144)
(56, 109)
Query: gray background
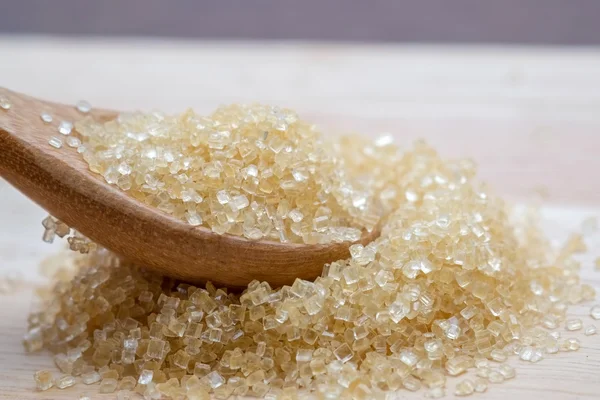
(566, 22)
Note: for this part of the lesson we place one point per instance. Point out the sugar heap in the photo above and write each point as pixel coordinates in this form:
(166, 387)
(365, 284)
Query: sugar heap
(254, 171)
(454, 283)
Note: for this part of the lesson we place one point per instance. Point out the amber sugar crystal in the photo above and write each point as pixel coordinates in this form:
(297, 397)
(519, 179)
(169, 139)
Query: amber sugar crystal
(43, 380)
(453, 284)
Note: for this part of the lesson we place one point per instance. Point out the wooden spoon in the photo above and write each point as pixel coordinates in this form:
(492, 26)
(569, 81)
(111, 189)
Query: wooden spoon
(59, 180)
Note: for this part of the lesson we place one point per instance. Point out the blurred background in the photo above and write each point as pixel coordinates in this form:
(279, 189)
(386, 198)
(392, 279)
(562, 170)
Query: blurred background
(554, 22)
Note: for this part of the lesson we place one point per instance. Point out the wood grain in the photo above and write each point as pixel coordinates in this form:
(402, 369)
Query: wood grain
(60, 181)
(528, 116)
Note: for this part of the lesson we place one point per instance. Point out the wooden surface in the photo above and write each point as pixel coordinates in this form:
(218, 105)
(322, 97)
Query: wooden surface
(60, 181)
(528, 116)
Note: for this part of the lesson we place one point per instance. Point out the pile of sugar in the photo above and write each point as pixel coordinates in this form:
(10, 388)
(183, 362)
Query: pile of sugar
(253, 171)
(454, 283)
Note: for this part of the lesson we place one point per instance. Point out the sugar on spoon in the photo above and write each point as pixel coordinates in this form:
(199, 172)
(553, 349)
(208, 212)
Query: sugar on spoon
(59, 180)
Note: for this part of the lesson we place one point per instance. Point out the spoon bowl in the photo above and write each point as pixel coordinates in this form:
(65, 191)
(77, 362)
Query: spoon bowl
(59, 180)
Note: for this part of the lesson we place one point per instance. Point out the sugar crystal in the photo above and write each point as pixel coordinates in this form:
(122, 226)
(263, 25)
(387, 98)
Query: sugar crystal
(83, 106)
(5, 103)
(65, 127)
(464, 388)
(55, 142)
(595, 312)
(65, 381)
(574, 324)
(43, 380)
(108, 385)
(145, 377)
(90, 378)
(590, 330)
(47, 118)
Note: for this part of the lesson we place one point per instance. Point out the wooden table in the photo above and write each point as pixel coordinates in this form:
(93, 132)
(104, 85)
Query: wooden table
(529, 116)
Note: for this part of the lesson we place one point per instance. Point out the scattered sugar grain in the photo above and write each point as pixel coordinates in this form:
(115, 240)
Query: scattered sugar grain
(590, 330)
(65, 128)
(574, 324)
(464, 388)
(83, 106)
(65, 381)
(5, 103)
(47, 118)
(43, 380)
(55, 142)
